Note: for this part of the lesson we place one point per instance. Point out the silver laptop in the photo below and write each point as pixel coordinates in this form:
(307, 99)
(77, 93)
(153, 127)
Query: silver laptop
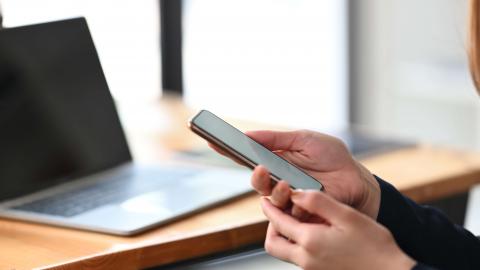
(64, 159)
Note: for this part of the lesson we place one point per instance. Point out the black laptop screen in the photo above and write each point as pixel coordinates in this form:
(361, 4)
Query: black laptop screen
(57, 117)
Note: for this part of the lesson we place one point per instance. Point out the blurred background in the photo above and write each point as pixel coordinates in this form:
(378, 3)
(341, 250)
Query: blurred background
(396, 67)
(393, 66)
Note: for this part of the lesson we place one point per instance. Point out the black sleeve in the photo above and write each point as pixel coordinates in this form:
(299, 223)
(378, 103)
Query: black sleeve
(426, 234)
(421, 266)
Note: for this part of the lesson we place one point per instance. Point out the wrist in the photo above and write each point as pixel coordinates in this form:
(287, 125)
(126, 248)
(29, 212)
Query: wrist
(371, 195)
(401, 262)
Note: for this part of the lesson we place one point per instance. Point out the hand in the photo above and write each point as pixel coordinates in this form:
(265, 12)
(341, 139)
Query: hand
(325, 158)
(346, 239)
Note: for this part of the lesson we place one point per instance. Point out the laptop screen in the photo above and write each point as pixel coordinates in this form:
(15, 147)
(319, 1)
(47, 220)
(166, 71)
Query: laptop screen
(57, 117)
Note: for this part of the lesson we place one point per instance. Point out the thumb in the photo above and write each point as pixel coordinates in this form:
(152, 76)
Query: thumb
(320, 204)
(278, 140)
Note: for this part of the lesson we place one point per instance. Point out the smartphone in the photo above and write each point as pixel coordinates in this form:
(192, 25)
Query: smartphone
(231, 140)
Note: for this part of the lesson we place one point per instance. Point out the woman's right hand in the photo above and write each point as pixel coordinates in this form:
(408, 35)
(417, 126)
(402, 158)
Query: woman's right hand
(343, 239)
(324, 157)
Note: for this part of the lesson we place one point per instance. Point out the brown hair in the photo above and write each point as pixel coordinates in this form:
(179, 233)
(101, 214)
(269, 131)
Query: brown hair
(474, 41)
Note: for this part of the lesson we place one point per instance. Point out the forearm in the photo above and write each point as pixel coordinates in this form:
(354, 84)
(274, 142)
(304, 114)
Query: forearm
(426, 234)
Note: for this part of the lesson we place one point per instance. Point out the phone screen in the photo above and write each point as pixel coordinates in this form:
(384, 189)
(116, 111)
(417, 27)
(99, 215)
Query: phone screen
(254, 152)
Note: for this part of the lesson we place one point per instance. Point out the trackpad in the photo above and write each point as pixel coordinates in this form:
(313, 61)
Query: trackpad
(154, 202)
(176, 199)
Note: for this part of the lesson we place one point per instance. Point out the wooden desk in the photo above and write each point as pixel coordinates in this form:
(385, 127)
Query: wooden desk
(423, 173)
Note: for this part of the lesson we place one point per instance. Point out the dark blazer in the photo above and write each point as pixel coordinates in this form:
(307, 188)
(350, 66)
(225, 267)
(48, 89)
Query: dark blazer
(425, 233)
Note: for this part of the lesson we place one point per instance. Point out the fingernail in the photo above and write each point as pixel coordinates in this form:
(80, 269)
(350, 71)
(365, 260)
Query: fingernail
(264, 200)
(282, 185)
(297, 192)
(264, 203)
(300, 193)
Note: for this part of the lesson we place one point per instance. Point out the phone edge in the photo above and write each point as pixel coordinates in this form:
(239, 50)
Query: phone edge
(247, 162)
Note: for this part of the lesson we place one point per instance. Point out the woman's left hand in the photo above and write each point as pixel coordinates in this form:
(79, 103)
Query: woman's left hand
(342, 238)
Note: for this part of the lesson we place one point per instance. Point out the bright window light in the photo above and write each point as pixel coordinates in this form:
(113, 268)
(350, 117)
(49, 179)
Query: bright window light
(280, 62)
(125, 32)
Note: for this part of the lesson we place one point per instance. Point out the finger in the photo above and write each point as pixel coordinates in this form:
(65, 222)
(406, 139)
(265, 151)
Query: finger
(261, 181)
(224, 153)
(299, 213)
(278, 246)
(281, 194)
(217, 149)
(284, 224)
(278, 140)
(318, 203)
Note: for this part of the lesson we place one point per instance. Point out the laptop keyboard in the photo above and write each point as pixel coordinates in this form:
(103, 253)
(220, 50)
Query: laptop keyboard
(80, 200)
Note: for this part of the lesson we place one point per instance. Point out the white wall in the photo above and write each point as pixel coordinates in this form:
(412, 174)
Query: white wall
(411, 71)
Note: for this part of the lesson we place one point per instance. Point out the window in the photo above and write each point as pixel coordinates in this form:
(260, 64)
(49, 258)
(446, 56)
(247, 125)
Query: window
(125, 32)
(280, 62)
(272, 61)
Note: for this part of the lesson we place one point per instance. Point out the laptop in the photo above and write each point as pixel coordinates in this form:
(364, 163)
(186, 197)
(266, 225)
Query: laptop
(64, 158)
